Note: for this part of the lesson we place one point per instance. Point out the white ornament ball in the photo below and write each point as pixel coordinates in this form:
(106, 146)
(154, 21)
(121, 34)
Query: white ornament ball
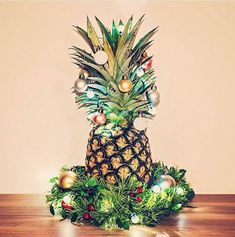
(179, 191)
(90, 94)
(140, 123)
(100, 57)
(67, 199)
(140, 72)
(121, 29)
(156, 189)
(135, 219)
(80, 85)
(154, 97)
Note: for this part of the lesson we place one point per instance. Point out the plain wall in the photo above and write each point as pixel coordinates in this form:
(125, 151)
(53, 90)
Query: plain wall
(194, 57)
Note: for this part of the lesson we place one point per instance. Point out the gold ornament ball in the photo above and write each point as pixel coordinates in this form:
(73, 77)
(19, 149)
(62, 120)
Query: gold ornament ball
(125, 85)
(99, 119)
(167, 181)
(80, 85)
(67, 179)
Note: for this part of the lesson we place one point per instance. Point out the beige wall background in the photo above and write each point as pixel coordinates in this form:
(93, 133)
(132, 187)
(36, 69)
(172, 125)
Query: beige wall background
(194, 55)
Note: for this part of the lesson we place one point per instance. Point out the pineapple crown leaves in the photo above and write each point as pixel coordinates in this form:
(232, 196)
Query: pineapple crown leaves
(124, 58)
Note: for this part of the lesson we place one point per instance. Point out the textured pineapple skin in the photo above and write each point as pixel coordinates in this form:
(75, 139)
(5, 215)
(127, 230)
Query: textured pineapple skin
(118, 152)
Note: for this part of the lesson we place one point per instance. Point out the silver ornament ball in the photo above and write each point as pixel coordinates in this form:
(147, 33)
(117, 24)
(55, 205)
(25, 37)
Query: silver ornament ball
(154, 97)
(140, 123)
(80, 85)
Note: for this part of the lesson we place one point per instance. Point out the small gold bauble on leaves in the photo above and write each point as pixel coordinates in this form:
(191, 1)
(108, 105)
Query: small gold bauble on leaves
(99, 119)
(140, 123)
(100, 57)
(167, 181)
(125, 85)
(80, 85)
(67, 179)
(85, 73)
(154, 97)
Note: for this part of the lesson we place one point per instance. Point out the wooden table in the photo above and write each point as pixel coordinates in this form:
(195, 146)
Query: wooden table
(27, 215)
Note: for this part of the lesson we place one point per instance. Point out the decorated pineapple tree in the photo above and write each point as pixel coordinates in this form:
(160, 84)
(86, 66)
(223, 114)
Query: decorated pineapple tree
(116, 85)
(119, 185)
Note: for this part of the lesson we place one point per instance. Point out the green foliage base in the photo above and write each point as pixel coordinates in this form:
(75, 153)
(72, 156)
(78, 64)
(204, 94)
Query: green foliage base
(114, 206)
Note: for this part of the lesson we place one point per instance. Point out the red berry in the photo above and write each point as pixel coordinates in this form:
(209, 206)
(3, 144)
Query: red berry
(86, 216)
(132, 194)
(139, 190)
(66, 206)
(138, 199)
(91, 207)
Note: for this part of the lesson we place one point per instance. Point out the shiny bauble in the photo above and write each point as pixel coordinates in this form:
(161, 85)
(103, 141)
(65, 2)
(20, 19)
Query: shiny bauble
(121, 29)
(91, 207)
(80, 85)
(100, 57)
(140, 72)
(125, 85)
(66, 206)
(84, 74)
(148, 65)
(153, 97)
(90, 94)
(67, 179)
(179, 191)
(167, 181)
(67, 199)
(99, 119)
(156, 189)
(86, 216)
(140, 123)
(135, 219)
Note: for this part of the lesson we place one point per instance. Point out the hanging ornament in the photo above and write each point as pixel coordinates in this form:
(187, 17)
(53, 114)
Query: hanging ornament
(66, 206)
(84, 74)
(121, 29)
(125, 85)
(156, 189)
(99, 119)
(148, 65)
(67, 199)
(140, 123)
(140, 72)
(80, 85)
(100, 57)
(179, 191)
(67, 179)
(135, 219)
(166, 181)
(90, 94)
(132, 194)
(153, 97)
(140, 189)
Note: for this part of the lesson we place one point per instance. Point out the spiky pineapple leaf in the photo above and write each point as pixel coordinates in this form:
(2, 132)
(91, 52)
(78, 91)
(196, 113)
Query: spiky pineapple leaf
(92, 34)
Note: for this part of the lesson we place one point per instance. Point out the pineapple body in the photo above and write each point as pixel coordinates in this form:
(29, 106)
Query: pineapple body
(117, 152)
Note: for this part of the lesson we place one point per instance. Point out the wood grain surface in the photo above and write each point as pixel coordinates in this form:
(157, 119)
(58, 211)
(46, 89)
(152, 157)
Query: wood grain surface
(27, 215)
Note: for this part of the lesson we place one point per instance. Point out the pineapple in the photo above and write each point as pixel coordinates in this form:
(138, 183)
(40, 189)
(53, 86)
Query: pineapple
(120, 91)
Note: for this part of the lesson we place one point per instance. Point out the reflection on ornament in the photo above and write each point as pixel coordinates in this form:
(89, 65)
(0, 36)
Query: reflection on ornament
(125, 85)
(99, 119)
(67, 199)
(90, 94)
(179, 191)
(148, 65)
(84, 74)
(80, 85)
(100, 57)
(156, 189)
(121, 29)
(140, 72)
(135, 219)
(140, 123)
(166, 181)
(67, 179)
(153, 97)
